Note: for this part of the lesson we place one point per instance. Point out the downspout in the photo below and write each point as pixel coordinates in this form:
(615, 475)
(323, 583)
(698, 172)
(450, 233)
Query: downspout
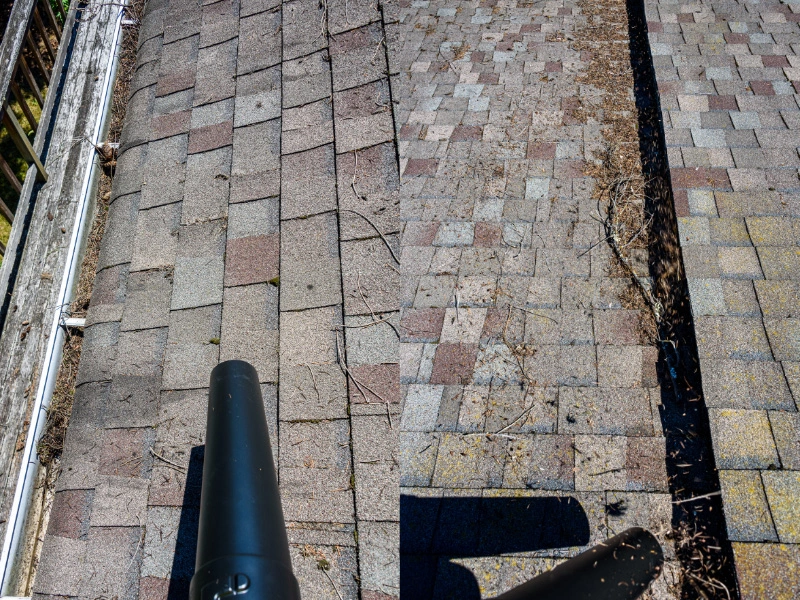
(55, 344)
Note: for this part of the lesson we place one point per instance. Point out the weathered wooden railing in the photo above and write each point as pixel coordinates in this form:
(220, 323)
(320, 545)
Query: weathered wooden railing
(28, 38)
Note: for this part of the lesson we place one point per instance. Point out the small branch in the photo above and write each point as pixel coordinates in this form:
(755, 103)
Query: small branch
(372, 312)
(169, 462)
(313, 380)
(360, 385)
(335, 589)
(612, 235)
(355, 170)
(535, 314)
(709, 495)
(606, 472)
(524, 413)
(370, 324)
(375, 227)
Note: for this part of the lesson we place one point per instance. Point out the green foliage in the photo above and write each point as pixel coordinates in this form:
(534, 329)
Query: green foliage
(12, 156)
(54, 4)
(5, 231)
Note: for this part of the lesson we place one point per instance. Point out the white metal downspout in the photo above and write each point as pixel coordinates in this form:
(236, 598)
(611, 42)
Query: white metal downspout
(55, 343)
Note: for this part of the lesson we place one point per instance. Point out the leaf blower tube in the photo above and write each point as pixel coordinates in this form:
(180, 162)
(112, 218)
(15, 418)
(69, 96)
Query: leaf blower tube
(621, 568)
(242, 546)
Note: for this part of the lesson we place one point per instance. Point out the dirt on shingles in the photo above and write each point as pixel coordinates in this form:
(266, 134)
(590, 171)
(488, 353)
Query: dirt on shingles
(125, 69)
(633, 233)
(617, 169)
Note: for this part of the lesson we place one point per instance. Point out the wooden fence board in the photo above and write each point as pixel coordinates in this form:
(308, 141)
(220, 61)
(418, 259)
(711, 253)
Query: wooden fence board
(31, 81)
(37, 18)
(48, 10)
(24, 105)
(11, 45)
(10, 175)
(6, 212)
(38, 58)
(22, 142)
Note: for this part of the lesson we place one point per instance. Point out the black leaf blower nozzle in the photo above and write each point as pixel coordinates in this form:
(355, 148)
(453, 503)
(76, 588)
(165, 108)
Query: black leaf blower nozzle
(242, 546)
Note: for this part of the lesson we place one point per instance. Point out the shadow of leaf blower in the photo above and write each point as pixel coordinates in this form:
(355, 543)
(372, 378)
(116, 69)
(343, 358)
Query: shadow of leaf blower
(242, 547)
(435, 530)
(621, 568)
